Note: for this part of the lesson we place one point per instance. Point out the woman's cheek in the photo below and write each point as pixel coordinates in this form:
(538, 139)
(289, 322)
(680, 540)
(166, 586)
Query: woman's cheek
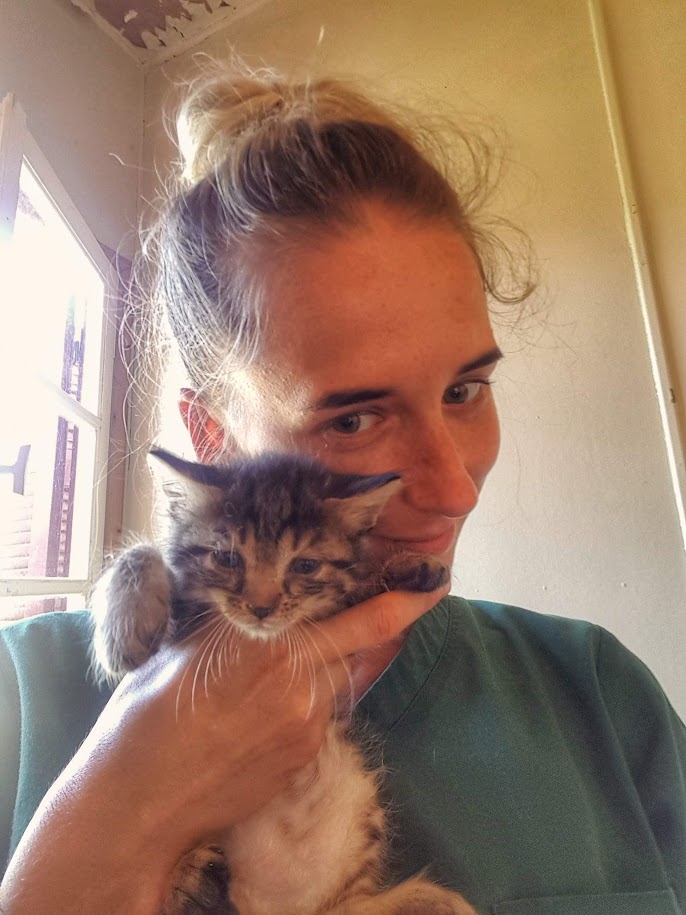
(489, 439)
(362, 460)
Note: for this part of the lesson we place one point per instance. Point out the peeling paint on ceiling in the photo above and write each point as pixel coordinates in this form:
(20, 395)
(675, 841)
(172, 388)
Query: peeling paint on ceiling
(154, 29)
(152, 18)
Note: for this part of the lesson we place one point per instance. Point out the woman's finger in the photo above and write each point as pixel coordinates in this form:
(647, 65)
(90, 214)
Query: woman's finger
(374, 622)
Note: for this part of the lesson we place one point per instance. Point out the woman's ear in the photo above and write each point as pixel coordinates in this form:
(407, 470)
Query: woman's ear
(207, 436)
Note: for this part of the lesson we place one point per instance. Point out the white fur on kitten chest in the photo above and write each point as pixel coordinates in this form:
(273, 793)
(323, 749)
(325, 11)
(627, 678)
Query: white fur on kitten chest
(308, 841)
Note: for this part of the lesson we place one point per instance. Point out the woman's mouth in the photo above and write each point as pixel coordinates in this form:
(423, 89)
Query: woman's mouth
(433, 543)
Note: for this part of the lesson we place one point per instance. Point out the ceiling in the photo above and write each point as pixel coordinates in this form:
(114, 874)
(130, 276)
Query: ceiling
(156, 29)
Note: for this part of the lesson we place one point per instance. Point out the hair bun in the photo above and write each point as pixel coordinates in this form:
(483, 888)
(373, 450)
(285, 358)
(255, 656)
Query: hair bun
(215, 113)
(223, 111)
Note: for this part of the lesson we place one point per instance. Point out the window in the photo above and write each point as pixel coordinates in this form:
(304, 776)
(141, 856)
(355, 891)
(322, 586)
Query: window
(56, 365)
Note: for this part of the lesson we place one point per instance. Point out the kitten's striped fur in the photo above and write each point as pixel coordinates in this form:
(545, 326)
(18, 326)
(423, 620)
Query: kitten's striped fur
(266, 545)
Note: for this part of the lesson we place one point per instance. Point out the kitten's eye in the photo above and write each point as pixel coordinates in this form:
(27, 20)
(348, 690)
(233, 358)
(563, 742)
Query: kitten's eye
(229, 559)
(305, 566)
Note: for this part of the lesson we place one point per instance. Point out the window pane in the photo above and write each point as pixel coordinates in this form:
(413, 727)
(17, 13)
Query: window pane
(46, 484)
(16, 608)
(52, 320)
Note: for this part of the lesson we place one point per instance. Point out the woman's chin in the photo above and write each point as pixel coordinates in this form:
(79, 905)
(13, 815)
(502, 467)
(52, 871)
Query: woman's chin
(442, 545)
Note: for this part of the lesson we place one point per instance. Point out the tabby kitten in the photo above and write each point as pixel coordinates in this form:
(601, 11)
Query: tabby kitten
(266, 545)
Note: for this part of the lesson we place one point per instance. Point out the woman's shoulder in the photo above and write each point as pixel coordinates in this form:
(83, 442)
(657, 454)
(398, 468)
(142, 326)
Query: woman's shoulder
(47, 649)
(45, 665)
(517, 630)
(45, 662)
(520, 622)
(71, 630)
(50, 700)
(578, 654)
(47, 677)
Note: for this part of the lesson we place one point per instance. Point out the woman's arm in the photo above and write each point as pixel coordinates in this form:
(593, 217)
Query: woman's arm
(176, 758)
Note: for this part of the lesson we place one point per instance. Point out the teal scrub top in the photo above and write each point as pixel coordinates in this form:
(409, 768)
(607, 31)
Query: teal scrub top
(530, 762)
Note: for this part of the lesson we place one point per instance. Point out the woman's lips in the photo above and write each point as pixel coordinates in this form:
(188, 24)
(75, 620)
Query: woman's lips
(438, 543)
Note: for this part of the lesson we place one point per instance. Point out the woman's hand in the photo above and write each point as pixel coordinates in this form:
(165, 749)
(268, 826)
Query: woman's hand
(177, 757)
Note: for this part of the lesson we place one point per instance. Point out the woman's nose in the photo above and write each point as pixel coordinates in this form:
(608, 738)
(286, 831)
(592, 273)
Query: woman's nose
(437, 477)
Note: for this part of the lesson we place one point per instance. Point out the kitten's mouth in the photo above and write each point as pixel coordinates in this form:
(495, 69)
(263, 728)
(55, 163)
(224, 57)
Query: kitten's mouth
(264, 629)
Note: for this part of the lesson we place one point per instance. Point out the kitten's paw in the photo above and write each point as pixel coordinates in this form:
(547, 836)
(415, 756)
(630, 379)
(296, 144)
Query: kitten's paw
(131, 606)
(200, 884)
(436, 907)
(417, 896)
(424, 898)
(409, 572)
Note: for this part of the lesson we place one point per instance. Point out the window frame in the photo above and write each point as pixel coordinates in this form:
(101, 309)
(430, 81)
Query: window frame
(16, 145)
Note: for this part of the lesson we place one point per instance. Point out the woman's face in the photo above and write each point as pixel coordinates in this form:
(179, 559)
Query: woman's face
(384, 336)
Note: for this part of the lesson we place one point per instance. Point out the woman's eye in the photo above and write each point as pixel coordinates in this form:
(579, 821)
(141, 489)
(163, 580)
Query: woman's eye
(229, 559)
(352, 423)
(305, 566)
(465, 392)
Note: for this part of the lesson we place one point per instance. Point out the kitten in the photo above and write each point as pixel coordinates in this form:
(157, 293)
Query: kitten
(266, 545)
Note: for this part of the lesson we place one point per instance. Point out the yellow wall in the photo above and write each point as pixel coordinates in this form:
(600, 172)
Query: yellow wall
(83, 97)
(415, 47)
(579, 517)
(648, 46)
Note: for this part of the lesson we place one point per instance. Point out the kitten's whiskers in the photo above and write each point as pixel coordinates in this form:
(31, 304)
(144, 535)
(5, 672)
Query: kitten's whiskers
(308, 635)
(305, 655)
(211, 625)
(207, 625)
(209, 666)
(294, 660)
(229, 646)
(233, 645)
(206, 646)
(344, 661)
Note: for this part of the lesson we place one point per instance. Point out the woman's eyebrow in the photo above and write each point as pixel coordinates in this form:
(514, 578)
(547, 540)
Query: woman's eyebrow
(350, 398)
(338, 399)
(493, 355)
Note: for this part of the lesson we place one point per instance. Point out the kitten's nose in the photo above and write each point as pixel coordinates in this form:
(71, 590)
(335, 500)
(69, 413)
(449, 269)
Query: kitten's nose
(261, 612)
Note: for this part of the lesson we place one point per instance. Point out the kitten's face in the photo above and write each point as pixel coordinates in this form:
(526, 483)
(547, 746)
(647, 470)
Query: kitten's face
(271, 542)
(264, 588)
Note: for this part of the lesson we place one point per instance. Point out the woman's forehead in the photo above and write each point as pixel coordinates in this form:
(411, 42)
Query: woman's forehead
(393, 292)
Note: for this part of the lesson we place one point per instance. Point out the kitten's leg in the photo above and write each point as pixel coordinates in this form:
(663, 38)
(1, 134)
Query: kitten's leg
(131, 606)
(416, 896)
(410, 572)
(200, 885)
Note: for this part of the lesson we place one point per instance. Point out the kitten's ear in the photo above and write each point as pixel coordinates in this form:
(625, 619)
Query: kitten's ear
(191, 484)
(359, 500)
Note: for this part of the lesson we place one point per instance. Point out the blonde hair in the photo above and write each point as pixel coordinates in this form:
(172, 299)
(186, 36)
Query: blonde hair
(267, 163)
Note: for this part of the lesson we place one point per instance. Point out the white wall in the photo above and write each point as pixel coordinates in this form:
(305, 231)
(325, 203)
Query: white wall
(579, 517)
(83, 97)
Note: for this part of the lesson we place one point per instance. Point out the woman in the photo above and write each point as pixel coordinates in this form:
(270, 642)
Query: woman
(327, 290)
